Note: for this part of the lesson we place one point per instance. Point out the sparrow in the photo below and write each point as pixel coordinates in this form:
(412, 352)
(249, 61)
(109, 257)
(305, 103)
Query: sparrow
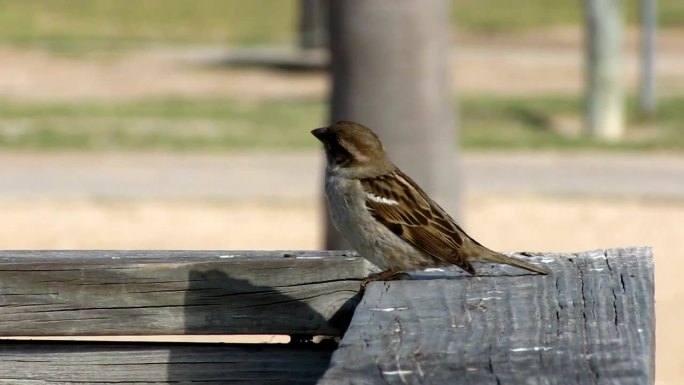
(385, 216)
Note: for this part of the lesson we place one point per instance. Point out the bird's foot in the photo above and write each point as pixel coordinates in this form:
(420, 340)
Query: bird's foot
(387, 275)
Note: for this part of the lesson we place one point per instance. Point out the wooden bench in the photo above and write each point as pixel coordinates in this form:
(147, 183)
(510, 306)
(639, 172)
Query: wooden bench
(591, 322)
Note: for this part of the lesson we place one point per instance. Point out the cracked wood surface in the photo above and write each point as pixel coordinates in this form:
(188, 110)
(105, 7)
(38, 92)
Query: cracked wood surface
(134, 363)
(177, 292)
(591, 322)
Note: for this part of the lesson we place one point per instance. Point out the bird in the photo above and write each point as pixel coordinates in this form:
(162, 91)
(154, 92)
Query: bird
(386, 217)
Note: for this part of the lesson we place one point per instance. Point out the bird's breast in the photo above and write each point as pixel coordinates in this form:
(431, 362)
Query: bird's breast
(347, 206)
(371, 239)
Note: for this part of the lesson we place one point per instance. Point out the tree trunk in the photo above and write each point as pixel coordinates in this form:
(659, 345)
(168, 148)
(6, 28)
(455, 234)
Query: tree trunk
(391, 72)
(604, 98)
(313, 29)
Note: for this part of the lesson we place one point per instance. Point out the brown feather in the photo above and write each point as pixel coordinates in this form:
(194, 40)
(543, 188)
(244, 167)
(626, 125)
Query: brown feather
(430, 236)
(416, 218)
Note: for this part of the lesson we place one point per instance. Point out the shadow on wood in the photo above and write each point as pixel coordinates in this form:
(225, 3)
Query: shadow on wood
(67, 293)
(167, 292)
(212, 300)
(218, 299)
(62, 362)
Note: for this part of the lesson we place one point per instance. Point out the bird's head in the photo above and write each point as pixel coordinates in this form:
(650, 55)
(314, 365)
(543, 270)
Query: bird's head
(353, 149)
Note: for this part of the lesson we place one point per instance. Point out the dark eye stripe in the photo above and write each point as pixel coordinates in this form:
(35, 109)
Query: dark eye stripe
(339, 155)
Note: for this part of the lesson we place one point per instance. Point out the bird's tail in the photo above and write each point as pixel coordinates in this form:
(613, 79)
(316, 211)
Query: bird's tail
(494, 257)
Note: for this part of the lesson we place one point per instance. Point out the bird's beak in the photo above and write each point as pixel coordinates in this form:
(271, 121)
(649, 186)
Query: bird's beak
(320, 133)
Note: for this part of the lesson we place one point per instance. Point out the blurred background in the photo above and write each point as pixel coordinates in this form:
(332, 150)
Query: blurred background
(185, 125)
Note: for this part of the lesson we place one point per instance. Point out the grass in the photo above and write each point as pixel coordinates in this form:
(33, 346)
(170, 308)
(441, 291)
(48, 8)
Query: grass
(77, 24)
(170, 124)
(506, 16)
(224, 124)
(85, 24)
(555, 122)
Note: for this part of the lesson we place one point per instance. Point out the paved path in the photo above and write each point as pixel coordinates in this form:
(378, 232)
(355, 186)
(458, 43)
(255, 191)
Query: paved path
(298, 176)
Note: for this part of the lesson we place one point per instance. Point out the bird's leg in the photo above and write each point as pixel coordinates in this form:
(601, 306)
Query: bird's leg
(387, 275)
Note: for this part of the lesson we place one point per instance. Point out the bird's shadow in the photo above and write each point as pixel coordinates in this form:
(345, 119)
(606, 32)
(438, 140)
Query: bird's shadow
(214, 300)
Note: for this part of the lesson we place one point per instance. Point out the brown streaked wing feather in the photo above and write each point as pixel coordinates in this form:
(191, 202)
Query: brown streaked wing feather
(409, 210)
(416, 218)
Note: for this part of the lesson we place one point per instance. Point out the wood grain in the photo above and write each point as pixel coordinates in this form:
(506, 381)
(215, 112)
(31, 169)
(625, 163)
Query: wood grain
(177, 292)
(591, 322)
(108, 363)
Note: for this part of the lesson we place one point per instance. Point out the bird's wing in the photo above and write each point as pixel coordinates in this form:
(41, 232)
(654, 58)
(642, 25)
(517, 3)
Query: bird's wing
(399, 204)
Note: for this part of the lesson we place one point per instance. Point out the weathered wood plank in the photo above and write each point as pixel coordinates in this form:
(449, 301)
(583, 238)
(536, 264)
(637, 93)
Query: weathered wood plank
(107, 363)
(177, 292)
(591, 322)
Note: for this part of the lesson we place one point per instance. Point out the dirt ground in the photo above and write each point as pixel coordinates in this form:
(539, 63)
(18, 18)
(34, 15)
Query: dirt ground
(533, 63)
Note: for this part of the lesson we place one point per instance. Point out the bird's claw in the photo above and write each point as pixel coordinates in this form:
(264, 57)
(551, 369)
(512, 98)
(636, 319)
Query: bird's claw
(387, 275)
